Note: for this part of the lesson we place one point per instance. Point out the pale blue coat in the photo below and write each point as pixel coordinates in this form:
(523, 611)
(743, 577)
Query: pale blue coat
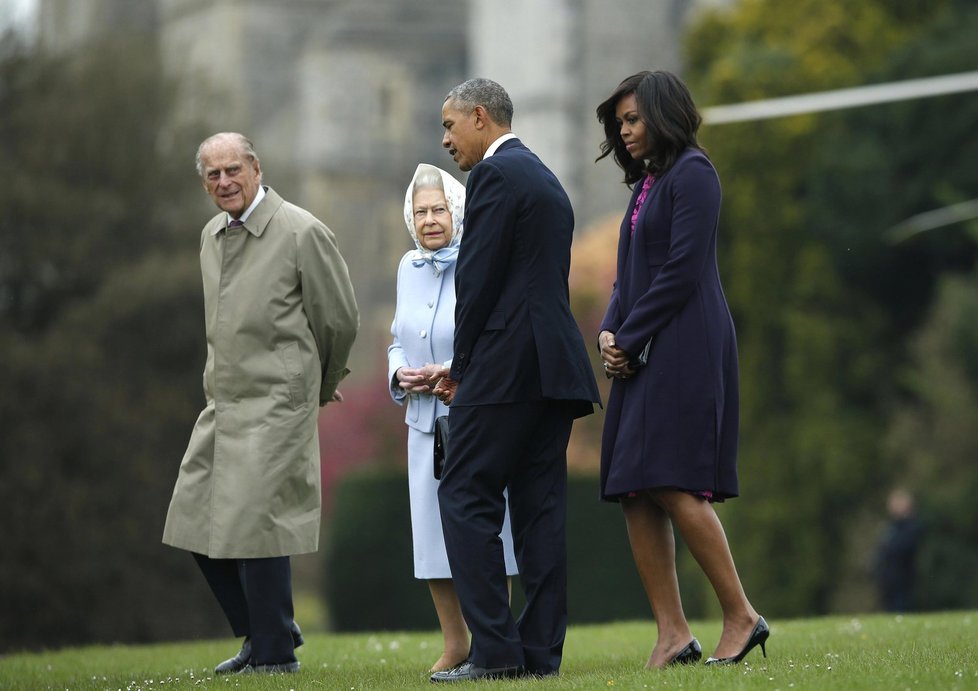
(424, 323)
(423, 331)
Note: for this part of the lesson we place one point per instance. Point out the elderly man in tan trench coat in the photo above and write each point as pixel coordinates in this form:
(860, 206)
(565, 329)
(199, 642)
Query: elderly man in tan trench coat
(280, 319)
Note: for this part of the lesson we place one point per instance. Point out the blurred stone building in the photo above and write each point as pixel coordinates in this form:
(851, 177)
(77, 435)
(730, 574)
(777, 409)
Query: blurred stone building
(342, 97)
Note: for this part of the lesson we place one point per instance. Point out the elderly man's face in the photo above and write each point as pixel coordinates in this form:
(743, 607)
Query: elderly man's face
(230, 177)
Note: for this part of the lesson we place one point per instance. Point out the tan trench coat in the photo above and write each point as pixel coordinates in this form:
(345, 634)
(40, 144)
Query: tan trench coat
(280, 319)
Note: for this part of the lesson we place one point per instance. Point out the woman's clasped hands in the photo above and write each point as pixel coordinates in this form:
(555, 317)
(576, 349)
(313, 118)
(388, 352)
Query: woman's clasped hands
(428, 379)
(614, 360)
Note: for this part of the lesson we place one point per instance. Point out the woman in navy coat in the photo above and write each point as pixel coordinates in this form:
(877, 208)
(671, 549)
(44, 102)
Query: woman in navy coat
(669, 446)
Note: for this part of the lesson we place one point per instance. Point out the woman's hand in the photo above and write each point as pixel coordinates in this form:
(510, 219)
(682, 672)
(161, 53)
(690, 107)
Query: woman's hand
(614, 358)
(420, 380)
(413, 380)
(433, 373)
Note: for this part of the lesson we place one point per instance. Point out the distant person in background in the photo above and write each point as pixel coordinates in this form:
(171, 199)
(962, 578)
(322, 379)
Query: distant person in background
(896, 553)
(280, 319)
(669, 447)
(424, 324)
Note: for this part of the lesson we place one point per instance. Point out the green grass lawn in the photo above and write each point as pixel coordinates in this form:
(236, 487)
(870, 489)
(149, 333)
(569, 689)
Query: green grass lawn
(926, 651)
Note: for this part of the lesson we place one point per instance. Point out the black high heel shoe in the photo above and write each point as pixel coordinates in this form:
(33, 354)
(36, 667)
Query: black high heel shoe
(758, 636)
(688, 655)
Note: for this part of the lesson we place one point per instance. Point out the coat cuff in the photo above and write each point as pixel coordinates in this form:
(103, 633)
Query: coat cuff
(331, 380)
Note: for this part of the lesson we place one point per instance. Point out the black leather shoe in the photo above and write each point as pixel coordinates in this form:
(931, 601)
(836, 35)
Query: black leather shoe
(689, 655)
(241, 660)
(281, 668)
(297, 638)
(238, 662)
(467, 671)
(757, 637)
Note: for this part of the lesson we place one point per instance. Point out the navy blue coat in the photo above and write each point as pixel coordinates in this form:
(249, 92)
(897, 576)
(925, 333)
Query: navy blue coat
(515, 337)
(675, 423)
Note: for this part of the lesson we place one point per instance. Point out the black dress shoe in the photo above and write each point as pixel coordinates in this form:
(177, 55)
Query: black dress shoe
(757, 637)
(467, 671)
(688, 655)
(281, 668)
(238, 662)
(297, 638)
(241, 660)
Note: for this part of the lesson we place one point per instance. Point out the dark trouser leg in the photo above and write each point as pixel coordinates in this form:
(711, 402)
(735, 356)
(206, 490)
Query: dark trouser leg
(268, 589)
(473, 507)
(538, 505)
(494, 446)
(256, 596)
(225, 582)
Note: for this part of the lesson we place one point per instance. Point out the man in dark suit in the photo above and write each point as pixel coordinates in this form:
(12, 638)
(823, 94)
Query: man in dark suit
(519, 376)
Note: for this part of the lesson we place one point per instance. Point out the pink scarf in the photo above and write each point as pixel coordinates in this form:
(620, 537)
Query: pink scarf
(646, 186)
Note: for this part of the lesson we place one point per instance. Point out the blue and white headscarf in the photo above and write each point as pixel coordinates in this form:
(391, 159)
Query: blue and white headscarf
(441, 259)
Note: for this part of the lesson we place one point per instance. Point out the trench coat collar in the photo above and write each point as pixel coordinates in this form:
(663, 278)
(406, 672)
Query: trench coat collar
(260, 217)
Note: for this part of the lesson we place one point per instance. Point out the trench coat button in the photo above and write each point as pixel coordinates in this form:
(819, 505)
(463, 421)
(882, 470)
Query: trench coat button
(431, 303)
(423, 334)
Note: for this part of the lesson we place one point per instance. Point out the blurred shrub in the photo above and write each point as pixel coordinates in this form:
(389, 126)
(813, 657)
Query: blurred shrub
(97, 416)
(369, 579)
(934, 442)
(369, 583)
(101, 347)
(822, 298)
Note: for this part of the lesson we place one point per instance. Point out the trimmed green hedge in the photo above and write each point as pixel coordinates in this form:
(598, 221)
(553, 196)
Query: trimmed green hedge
(369, 582)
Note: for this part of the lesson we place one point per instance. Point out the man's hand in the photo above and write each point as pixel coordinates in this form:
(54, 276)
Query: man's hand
(445, 390)
(337, 397)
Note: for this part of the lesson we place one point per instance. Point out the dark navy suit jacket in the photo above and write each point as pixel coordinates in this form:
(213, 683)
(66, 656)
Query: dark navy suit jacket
(515, 337)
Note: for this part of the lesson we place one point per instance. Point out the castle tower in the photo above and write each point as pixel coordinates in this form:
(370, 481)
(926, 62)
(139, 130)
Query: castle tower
(65, 24)
(559, 59)
(342, 99)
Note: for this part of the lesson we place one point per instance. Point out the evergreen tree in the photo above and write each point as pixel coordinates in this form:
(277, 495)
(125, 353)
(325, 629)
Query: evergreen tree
(814, 347)
(101, 346)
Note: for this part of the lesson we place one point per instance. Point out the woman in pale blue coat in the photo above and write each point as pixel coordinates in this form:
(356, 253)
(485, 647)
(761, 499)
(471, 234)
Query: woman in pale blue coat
(424, 324)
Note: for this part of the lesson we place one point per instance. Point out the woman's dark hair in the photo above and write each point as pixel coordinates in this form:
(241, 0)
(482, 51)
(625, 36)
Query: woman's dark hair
(670, 117)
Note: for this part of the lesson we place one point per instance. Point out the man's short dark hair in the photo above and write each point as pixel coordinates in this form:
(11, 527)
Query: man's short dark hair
(486, 93)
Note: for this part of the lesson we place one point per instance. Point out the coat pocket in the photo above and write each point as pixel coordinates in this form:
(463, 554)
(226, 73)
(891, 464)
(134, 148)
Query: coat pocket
(294, 376)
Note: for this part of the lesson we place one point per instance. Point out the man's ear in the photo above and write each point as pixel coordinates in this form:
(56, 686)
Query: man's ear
(482, 118)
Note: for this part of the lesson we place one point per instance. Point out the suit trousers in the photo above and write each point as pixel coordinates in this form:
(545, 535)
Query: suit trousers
(522, 447)
(256, 596)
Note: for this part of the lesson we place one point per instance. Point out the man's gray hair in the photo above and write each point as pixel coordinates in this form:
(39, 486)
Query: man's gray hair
(486, 93)
(247, 148)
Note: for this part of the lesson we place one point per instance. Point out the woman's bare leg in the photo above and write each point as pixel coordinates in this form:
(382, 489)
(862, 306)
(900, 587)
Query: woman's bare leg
(654, 550)
(703, 533)
(453, 628)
